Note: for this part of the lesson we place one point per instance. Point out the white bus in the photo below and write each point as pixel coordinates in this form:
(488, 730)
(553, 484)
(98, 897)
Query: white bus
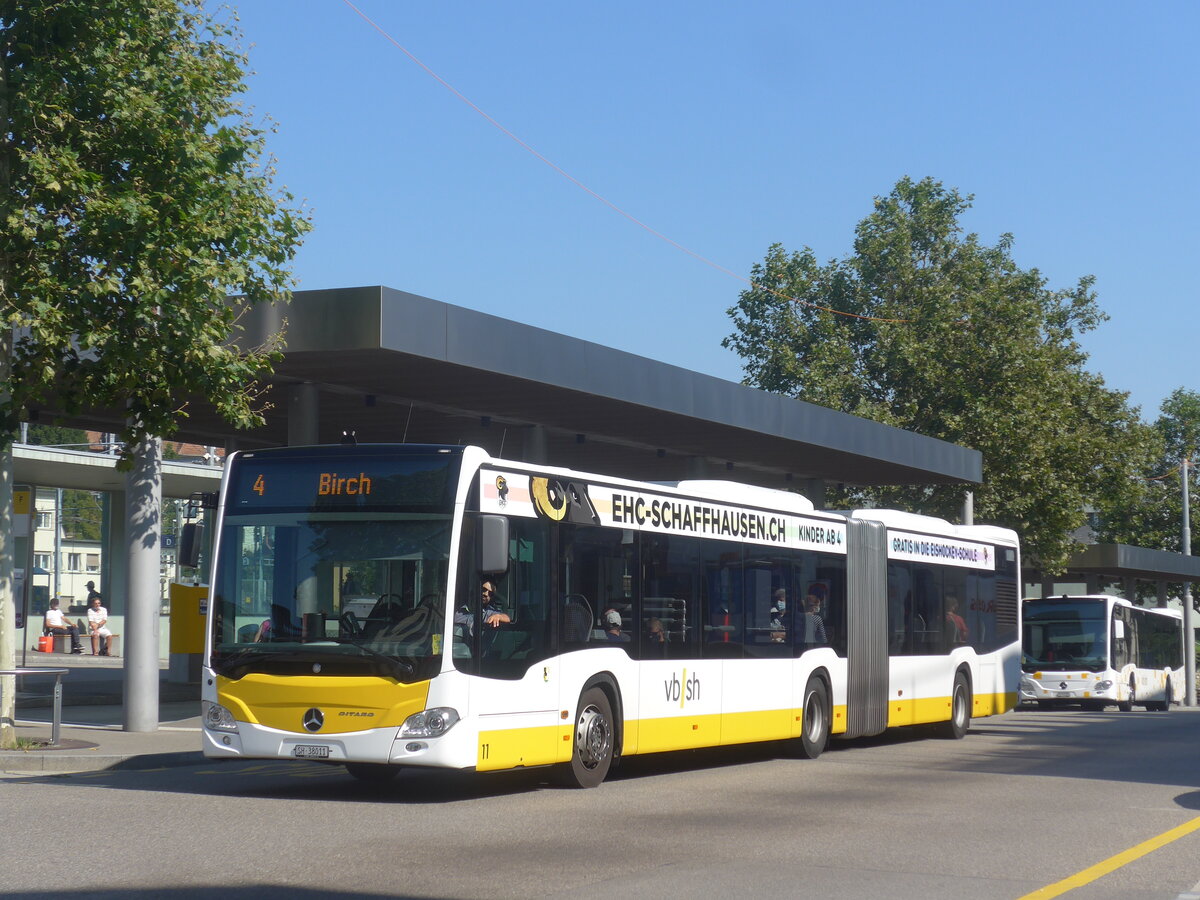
(346, 619)
(1098, 651)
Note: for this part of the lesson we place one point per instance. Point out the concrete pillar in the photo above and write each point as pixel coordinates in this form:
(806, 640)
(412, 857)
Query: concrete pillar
(143, 489)
(1047, 587)
(1129, 588)
(8, 619)
(1161, 593)
(534, 446)
(814, 490)
(1092, 584)
(304, 414)
(968, 514)
(114, 579)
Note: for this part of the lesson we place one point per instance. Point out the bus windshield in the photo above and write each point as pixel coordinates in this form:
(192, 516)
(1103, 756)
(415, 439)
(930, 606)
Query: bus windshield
(350, 593)
(1065, 634)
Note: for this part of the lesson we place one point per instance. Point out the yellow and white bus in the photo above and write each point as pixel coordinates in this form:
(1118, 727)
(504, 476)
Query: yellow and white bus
(1099, 651)
(348, 622)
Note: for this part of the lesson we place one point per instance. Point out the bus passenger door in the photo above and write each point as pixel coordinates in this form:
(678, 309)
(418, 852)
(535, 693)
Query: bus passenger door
(515, 696)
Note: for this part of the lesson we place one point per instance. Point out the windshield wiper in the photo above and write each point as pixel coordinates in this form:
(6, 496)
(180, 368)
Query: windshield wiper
(237, 664)
(389, 662)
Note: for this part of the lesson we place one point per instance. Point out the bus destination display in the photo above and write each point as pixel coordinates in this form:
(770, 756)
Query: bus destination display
(412, 483)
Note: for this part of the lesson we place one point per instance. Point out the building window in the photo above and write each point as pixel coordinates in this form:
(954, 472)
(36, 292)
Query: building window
(42, 561)
(74, 562)
(93, 563)
(44, 519)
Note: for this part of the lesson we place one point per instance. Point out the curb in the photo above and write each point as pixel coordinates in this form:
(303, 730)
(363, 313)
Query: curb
(43, 762)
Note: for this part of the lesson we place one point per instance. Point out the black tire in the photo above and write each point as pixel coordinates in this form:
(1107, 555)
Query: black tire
(1164, 705)
(372, 773)
(1127, 706)
(814, 720)
(593, 744)
(960, 709)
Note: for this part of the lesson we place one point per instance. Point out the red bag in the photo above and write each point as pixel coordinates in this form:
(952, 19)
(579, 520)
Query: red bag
(46, 643)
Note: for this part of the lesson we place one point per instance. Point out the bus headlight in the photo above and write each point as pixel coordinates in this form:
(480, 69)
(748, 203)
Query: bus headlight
(1104, 685)
(1026, 685)
(217, 717)
(431, 723)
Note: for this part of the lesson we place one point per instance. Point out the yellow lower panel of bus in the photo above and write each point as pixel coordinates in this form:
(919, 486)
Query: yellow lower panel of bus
(514, 747)
(937, 709)
(349, 703)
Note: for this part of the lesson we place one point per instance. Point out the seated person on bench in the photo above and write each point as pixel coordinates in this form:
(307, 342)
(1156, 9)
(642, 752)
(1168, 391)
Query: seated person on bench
(56, 623)
(97, 625)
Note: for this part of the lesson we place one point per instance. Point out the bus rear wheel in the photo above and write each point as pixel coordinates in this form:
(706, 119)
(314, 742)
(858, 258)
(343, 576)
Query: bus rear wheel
(814, 721)
(372, 773)
(960, 709)
(1164, 705)
(592, 747)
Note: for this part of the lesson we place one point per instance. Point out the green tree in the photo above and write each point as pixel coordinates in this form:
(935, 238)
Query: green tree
(136, 200)
(57, 436)
(928, 329)
(1150, 514)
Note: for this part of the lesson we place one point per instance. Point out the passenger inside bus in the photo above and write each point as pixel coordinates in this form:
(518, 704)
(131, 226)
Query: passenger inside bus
(779, 616)
(956, 627)
(612, 627)
(814, 624)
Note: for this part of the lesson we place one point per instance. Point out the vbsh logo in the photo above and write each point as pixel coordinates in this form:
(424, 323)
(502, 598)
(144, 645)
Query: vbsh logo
(682, 689)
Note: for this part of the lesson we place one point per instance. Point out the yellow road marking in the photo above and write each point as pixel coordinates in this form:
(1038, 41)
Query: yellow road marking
(1114, 862)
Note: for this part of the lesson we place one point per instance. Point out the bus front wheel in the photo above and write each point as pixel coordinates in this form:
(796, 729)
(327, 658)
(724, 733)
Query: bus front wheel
(960, 709)
(592, 748)
(1127, 705)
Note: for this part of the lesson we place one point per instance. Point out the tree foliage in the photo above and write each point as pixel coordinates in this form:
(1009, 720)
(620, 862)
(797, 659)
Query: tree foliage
(1151, 513)
(928, 329)
(135, 199)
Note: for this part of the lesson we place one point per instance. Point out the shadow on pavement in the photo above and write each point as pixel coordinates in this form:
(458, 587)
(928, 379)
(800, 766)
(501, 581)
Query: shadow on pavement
(204, 892)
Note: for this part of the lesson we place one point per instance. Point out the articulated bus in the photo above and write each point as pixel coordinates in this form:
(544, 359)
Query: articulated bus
(1099, 651)
(348, 621)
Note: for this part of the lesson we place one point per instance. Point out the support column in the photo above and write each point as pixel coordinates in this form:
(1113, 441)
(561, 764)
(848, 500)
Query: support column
(143, 487)
(1129, 588)
(304, 414)
(8, 618)
(114, 578)
(1161, 593)
(534, 446)
(969, 508)
(1047, 587)
(814, 490)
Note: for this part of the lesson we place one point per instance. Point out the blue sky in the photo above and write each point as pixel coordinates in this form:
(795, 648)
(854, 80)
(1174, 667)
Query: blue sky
(729, 127)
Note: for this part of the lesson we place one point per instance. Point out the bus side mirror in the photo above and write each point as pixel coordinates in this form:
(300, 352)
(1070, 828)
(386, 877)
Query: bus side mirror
(491, 545)
(191, 538)
(1118, 629)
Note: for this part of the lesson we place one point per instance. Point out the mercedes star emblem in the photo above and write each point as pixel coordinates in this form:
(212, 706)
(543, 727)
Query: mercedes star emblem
(314, 719)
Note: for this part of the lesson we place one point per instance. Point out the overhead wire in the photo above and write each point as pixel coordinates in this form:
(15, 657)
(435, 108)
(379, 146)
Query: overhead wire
(579, 184)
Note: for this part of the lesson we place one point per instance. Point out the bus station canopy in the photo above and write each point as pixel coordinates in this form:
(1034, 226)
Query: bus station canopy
(392, 366)
(1126, 561)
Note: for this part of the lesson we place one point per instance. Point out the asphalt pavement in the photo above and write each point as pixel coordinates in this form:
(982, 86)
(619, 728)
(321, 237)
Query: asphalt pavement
(90, 735)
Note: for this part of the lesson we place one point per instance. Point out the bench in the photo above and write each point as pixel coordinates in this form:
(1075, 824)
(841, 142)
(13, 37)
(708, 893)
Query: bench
(62, 643)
